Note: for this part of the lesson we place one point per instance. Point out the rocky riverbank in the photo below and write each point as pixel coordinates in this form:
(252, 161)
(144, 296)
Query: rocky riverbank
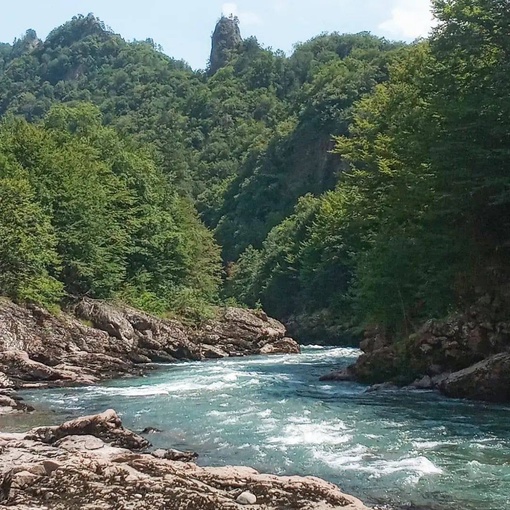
(94, 463)
(98, 340)
(464, 356)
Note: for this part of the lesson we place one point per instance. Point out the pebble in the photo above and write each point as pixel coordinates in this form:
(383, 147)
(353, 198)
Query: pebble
(246, 498)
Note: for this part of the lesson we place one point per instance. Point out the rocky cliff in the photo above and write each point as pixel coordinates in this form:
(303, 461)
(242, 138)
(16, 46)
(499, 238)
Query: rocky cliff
(464, 356)
(94, 463)
(101, 340)
(226, 39)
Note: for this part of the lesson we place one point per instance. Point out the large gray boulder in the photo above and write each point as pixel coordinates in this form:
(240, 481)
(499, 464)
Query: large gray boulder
(487, 380)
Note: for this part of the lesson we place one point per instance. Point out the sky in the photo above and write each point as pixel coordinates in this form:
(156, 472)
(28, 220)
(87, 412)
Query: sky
(183, 28)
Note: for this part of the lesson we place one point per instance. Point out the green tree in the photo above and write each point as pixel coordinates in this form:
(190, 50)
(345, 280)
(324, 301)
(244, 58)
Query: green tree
(28, 249)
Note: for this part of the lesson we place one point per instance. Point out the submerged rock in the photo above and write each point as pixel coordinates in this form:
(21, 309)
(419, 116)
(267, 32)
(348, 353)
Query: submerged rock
(341, 375)
(386, 386)
(9, 405)
(88, 471)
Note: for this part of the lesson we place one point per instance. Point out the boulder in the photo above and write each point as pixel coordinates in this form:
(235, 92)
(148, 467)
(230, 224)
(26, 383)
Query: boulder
(378, 366)
(425, 383)
(487, 380)
(246, 498)
(106, 426)
(9, 405)
(283, 346)
(462, 355)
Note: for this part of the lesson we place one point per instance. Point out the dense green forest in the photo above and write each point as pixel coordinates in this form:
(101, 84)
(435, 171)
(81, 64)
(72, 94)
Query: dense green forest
(355, 182)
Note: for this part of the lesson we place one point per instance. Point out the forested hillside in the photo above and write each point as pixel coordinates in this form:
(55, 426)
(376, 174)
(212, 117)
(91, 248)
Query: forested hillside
(353, 183)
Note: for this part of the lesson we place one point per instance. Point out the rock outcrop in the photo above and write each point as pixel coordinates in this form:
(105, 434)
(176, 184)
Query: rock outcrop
(226, 39)
(465, 356)
(100, 340)
(89, 467)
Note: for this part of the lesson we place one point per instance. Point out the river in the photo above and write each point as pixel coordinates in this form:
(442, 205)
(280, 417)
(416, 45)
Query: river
(396, 448)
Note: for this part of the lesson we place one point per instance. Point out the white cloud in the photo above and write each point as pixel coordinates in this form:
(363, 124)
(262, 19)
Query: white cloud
(246, 17)
(409, 19)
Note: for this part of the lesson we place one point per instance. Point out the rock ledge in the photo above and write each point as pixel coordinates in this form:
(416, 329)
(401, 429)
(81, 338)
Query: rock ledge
(100, 340)
(85, 464)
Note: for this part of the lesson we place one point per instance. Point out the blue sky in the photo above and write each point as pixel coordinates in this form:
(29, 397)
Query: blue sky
(183, 28)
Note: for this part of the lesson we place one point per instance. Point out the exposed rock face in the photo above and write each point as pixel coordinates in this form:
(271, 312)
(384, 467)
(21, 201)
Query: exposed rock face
(226, 40)
(466, 355)
(41, 349)
(85, 471)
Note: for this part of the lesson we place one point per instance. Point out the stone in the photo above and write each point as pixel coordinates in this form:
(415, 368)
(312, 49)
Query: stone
(283, 346)
(10, 403)
(487, 380)
(50, 466)
(175, 455)
(386, 386)
(425, 383)
(105, 426)
(341, 375)
(213, 352)
(150, 430)
(113, 477)
(5, 382)
(246, 498)
(23, 479)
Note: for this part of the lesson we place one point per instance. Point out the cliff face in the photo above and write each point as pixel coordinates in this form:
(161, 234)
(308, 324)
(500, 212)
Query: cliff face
(226, 39)
(101, 340)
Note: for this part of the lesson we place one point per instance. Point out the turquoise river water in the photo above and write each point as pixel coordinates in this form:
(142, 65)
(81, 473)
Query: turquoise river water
(396, 448)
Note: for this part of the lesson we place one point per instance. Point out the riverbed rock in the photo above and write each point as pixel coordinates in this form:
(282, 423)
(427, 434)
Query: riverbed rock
(385, 386)
(283, 346)
(172, 454)
(425, 383)
(246, 498)
(35, 474)
(9, 405)
(463, 355)
(340, 375)
(106, 426)
(100, 340)
(487, 380)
